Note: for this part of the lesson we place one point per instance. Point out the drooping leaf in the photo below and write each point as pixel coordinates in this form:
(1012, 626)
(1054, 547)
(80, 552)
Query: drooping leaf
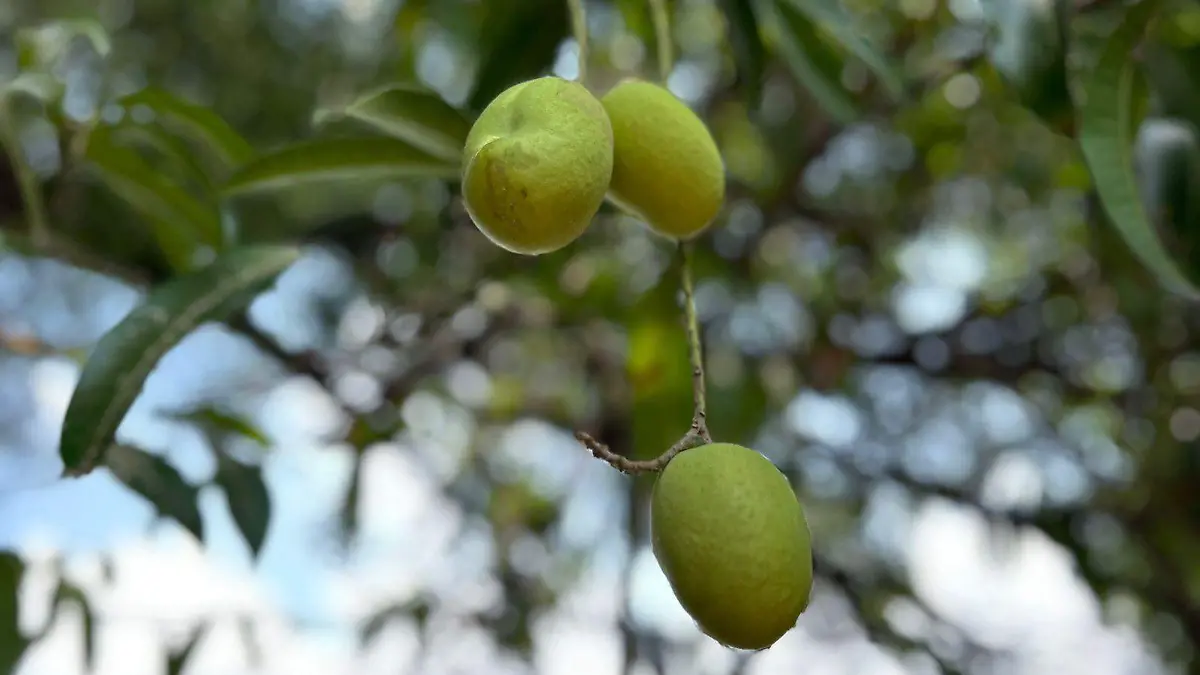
(1174, 74)
(411, 114)
(248, 498)
(177, 659)
(91, 30)
(68, 592)
(1106, 132)
(124, 357)
(195, 121)
(519, 40)
(182, 160)
(348, 517)
(814, 64)
(42, 45)
(212, 420)
(337, 158)
(13, 642)
(1030, 53)
(179, 220)
(749, 54)
(159, 483)
(832, 16)
(41, 87)
(1167, 164)
(417, 609)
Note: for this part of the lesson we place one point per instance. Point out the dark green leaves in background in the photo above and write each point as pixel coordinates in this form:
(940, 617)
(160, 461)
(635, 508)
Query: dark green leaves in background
(160, 483)
(125, 356)
(1106, 137)
(414, 115)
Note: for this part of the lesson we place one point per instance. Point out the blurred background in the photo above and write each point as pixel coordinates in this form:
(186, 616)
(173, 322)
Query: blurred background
(912, 303)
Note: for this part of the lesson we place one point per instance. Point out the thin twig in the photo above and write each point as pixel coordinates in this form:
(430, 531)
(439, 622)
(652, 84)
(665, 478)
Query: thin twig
(580, 28)
(698, 433)
(695, 347)
(661, 17)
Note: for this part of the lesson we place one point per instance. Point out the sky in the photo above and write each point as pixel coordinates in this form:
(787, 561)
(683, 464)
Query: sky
(306, 600)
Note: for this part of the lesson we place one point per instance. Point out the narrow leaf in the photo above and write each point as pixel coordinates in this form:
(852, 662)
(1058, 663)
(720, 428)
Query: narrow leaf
(124, 357)
(749, 55)
(210, 420)
(177, 217)
(170, 147)
(411, 114)
(832, 16)
(91, 30)
(196, 121)
(13, 642)
(41, 87)
(1106, 131)
(336, 158)
(815, 65)
(68, 592)
(248, 498)
(177, 659)
(159, 483)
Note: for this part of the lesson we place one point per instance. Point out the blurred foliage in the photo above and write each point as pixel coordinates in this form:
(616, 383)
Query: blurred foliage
(933, 207)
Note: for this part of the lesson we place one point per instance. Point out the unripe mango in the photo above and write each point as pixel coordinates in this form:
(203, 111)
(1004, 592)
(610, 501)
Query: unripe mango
(537, 164)
(667, 169)
(732, 539)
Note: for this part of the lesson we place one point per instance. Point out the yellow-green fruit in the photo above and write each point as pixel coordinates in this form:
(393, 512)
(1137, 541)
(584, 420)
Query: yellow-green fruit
(733, 541)
(667, 169)
(537, 164)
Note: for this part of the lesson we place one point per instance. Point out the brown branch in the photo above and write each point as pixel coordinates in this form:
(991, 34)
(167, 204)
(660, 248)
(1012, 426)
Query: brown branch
(698, 433)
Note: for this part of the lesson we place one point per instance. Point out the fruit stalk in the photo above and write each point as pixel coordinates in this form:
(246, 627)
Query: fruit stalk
(580, 28)
(662, 35)
(697, 434)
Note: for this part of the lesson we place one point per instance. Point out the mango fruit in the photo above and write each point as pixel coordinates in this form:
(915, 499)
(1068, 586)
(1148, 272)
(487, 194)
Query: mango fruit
(732, 539)
(667, 169)
(537, 164)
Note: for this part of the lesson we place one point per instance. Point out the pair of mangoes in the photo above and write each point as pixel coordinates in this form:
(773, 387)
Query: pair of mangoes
(543, 155)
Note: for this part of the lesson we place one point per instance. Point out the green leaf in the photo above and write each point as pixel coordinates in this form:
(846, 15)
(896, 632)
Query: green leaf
(519, 40)
(814, 64)
(196, 121)
(248, 498)
(171, 148)
(337, 158)
(749, 54)
(212, 420)
(1106, 128)
(86, 28)
(13, 642)
(125, 356)
(159, 483)
(832, 16)
(178, 218)
(411, 114)
(1167, 164)
(177, 659)
(68, 592)
(41, 87)
(1030, 53)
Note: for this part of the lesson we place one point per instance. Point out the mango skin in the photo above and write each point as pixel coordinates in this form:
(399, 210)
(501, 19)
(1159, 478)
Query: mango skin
(537, 164)
(732, 539)
(667, 169)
